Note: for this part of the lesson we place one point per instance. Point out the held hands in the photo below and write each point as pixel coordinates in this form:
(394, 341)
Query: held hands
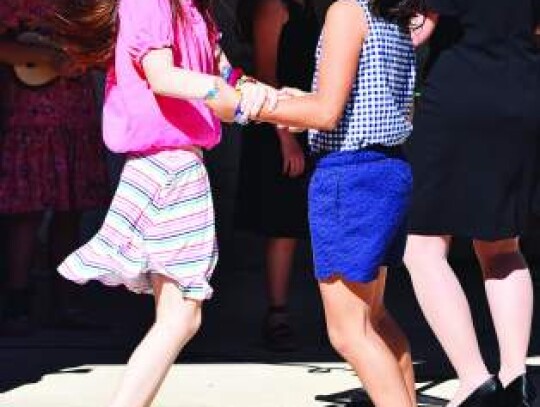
(243, 103)
(246, 101)
(255, 96)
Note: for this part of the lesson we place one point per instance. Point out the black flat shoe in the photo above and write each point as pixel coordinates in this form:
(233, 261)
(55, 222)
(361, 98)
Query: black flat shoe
(487, 395)
(519, 393)
(278, 334)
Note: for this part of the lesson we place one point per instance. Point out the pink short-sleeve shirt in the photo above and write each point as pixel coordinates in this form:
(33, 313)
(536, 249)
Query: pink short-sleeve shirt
(134, 118)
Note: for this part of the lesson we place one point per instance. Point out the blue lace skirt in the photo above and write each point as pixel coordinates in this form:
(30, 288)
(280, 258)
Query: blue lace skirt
(358, 203)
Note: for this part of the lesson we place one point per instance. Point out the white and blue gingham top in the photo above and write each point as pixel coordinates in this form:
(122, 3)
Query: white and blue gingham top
(378, 110)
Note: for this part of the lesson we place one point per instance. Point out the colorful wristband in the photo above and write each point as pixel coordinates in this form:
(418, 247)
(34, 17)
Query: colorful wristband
(243, 80)
(240, 117)
(231, 75)
(234, 77)
(212, 93)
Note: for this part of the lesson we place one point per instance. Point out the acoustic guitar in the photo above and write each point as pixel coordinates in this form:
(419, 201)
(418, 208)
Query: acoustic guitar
(32, 74)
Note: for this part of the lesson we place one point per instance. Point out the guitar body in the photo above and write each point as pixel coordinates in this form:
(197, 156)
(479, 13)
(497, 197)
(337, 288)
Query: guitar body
(34, 75)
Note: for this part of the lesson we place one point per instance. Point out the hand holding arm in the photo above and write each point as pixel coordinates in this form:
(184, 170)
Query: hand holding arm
(167, 80)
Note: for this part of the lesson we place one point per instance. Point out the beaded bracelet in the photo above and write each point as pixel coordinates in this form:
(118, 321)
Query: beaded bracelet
(240, 117)
(212, 93)
(232, 75)
(243, 80)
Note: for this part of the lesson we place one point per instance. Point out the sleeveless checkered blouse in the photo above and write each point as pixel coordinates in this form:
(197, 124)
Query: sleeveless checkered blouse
(379, 106)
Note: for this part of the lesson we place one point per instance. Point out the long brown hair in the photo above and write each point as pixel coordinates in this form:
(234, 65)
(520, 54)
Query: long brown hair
(398, 11)
(87, 29)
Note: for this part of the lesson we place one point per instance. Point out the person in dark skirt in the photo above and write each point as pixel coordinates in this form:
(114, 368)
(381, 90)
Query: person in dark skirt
(272, 198)
(473, 150)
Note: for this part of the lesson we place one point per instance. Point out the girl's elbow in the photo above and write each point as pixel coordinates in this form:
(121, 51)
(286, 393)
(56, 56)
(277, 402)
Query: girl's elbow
(159, 84)
(329, 121)
(158, 87)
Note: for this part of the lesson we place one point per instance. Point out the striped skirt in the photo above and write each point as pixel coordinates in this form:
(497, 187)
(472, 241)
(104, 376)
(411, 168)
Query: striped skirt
(161, 221)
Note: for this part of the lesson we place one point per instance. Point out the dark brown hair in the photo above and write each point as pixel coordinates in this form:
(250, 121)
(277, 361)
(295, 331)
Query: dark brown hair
(87, 29)
(400, 12)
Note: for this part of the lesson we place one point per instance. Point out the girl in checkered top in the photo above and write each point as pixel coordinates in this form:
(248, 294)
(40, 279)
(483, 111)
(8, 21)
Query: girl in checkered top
(359, 192)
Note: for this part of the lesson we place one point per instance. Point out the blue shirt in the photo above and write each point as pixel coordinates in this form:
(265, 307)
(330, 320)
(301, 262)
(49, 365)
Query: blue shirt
(379, 107)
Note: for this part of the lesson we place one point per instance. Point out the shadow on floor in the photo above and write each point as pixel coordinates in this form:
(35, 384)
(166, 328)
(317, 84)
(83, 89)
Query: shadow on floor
(231, 332)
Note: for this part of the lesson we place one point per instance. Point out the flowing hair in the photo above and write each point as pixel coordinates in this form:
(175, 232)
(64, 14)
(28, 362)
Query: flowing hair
(400, 12)
(87, 29)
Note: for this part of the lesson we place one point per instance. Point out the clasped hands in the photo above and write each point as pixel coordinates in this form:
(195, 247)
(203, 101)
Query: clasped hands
(250, 100)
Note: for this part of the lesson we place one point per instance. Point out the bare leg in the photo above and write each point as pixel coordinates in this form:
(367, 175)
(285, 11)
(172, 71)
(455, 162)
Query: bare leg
(392, 335)
(446, 309)
(177, 321)
(277, 332)
(352, 334)
(279, 259)
(510, 295)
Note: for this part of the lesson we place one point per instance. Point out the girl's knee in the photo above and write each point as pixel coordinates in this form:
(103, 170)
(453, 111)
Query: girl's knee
(487, 250)
(183, 318)
(421, 252)
(194, 321)
(499, 259)
(348, 341)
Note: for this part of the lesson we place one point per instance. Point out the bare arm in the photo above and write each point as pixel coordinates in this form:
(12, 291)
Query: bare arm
(14, 53)
(269, 20)
(167, 80)
(267, 26)
(344, 32)
(423, 28)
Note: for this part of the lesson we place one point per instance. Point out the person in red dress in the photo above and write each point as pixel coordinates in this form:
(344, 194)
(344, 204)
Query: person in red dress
(51, 153)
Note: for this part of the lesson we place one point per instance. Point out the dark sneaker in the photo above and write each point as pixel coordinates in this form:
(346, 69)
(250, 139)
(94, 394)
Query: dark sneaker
(277, 333)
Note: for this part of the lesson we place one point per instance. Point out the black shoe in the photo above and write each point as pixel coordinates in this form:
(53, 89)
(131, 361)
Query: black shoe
(278, 334)
(519, 393)
(487, 395)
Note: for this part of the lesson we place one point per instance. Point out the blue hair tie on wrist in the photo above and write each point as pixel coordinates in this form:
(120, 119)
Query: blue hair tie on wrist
(240, 117)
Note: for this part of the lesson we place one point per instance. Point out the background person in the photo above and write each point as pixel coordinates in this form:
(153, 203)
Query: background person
(472, 151)
(274, 167)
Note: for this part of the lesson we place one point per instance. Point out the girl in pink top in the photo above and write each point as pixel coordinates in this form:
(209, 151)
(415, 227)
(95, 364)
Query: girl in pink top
(163, 100)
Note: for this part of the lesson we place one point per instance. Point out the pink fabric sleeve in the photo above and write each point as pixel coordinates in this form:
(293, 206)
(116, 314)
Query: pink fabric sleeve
(145, 25)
